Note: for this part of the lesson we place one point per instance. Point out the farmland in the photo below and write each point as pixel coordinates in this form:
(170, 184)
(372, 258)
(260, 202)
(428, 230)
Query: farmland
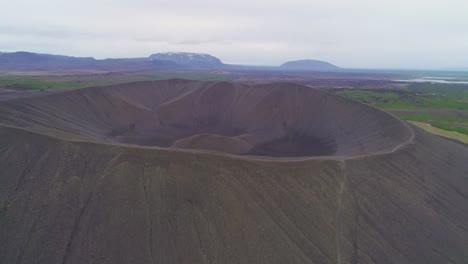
(443, 106)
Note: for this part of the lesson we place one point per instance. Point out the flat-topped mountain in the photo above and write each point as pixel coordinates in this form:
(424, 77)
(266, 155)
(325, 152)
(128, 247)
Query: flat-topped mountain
(29, 61)
(188, 59)
(309, 65)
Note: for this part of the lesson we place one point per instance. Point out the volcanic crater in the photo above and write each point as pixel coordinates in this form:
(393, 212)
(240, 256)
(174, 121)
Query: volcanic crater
(273, 120)
(215, 172)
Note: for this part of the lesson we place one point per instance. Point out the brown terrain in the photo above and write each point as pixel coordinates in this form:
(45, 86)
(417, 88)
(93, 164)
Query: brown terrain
(217, 172)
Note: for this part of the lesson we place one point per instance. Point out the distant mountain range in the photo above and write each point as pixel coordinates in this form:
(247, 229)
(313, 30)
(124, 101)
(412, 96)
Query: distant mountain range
(28, 61)
(32, 61)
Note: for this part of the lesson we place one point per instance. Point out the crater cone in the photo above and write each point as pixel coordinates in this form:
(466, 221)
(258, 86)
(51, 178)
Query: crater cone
(276, 120)
(91, 176)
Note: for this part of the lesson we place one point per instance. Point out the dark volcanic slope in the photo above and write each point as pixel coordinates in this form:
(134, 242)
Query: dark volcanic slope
(283, 120)
(398, 199)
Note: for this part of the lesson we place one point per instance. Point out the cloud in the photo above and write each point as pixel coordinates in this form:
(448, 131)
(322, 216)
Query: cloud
(359, 33)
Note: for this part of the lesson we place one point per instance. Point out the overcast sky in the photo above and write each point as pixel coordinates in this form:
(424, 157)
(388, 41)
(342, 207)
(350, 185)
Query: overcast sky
(349, 33)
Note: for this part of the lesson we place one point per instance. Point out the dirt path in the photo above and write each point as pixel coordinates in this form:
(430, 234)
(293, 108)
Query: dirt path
(339, 211)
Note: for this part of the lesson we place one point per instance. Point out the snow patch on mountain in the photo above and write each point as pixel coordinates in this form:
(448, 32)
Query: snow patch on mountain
(188, 59)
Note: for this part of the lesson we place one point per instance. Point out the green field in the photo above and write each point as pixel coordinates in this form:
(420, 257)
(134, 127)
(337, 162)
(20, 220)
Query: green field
(442, 106)
(31, 83)
(42, 82)
(450, 134)
(442, 96)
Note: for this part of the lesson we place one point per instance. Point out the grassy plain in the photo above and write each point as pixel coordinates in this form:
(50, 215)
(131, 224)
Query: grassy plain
(42, 82)
(440, 106)
(450, 134)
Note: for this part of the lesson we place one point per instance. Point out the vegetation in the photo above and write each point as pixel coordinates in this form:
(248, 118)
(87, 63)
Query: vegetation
(42, 82)
(37, 84)
(450, 134)
(449, 123)
(416, 96)
(420, 97)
